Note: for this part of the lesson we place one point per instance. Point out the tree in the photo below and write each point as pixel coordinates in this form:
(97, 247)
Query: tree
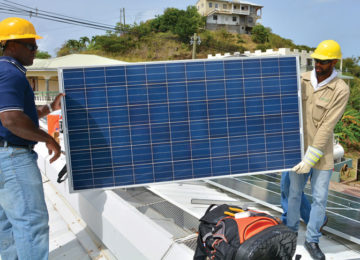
(42, 55)
(348, 129)
(141, 30)
(188, 23)
(183, 23)
(73, 46)
(83, 43)
(112, 43)
(170, 19)
(260, 34)
(167, 21)
(351, 65)
(120, 29)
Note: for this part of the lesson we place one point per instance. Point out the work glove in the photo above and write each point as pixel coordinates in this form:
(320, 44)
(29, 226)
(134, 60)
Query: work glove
(312, 156)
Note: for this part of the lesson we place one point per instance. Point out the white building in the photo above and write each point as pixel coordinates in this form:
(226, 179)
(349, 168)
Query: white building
(234, 16)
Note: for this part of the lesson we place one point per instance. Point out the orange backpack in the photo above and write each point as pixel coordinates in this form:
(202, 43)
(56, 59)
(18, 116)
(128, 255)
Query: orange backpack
(233, 233)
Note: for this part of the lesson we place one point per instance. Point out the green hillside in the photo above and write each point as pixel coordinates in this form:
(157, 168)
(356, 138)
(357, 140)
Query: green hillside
(167, 37)
(155, 46)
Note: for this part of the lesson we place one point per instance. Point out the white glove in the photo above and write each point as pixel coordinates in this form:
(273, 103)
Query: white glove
(312, 156)
(301, 168)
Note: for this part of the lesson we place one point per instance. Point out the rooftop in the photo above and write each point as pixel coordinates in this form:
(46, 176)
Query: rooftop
(239, 2)
(72, 60)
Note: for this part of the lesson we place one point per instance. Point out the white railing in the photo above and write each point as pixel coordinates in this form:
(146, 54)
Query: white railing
(229, 11)
(235, 11)
(44, 97)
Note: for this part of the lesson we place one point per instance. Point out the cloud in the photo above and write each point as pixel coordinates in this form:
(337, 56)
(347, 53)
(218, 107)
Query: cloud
(146, 15)
(44, 43)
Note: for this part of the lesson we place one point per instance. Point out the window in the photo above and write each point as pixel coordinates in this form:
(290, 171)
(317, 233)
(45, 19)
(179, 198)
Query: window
(210, 5)
(216, 6)
(234, 6)
(225, 6)
(214, 17)
(234, 19)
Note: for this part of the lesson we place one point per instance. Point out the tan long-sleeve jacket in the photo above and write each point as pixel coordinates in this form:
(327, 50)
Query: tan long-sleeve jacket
(322, 109)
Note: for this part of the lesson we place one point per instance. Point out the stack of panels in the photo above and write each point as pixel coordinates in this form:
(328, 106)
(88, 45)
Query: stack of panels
(343, 210)
(155, 122)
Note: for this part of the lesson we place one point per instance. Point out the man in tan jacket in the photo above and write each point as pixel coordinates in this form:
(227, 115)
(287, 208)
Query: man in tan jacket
(324, 98)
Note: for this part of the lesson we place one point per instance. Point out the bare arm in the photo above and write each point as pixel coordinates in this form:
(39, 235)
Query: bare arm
(42, 111)
(55, 105)
(22, 126)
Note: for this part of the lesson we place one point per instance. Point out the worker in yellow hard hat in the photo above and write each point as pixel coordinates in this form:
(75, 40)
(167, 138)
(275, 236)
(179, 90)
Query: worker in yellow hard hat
(324, 98)
(24, 230)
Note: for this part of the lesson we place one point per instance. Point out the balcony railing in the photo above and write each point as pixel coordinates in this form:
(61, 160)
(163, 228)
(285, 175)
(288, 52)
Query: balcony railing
(44, 97)
(229, 11)
(234, 11)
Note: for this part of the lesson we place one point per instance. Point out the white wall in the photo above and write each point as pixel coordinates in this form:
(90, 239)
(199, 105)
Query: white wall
(304, 55)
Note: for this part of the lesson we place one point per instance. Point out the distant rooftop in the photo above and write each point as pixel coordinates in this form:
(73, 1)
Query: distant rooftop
(72, 60)
(240, 2)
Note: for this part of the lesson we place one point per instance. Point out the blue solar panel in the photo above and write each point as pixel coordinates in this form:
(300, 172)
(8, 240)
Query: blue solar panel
(137, 124)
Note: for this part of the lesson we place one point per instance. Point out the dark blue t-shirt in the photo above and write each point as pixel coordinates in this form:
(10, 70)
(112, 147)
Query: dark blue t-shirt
(15, 94)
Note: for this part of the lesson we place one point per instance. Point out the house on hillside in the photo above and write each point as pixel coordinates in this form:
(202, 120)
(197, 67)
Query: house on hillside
(234, 16)
(43, 74)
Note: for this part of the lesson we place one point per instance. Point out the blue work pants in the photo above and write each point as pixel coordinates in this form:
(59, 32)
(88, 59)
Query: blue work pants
(24, 229)
(305, 205)
(320, 180)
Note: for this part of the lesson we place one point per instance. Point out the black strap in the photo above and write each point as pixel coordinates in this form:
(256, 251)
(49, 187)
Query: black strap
(209, 208)
(4, 143)
(61, 174)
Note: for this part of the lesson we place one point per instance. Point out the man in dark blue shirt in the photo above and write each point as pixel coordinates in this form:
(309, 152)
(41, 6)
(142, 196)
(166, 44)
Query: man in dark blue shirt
(24, 230)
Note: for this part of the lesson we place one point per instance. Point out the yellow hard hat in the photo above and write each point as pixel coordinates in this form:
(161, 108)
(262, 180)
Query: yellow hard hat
(13, 28)
(327, 50)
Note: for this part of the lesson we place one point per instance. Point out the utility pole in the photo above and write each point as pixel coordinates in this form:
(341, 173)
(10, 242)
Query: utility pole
(121, 16)
(124, 15)
(122, 19)
(194, 41)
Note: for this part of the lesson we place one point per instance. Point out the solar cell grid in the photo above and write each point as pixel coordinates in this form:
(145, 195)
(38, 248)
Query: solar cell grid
(154, 122)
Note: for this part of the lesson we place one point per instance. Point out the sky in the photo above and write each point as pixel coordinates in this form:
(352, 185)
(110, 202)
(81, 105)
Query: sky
(306, 22)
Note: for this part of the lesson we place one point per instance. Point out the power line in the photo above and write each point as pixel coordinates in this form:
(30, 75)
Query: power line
(40, 11)
(10, 7)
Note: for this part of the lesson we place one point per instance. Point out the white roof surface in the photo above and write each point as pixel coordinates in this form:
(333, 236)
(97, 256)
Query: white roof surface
(72, 60)
(69, 236)
(241, 2)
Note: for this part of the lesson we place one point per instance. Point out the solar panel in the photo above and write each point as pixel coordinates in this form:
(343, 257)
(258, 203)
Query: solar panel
(145, 123)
